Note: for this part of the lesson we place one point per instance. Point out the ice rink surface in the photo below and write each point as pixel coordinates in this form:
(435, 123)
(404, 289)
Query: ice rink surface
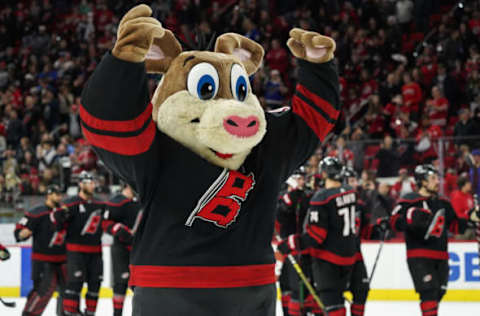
(373, 308)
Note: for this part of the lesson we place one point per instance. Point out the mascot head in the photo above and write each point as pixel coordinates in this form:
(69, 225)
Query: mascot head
(205, 101)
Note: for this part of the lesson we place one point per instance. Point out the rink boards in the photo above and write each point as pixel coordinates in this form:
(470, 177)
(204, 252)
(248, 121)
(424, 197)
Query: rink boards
(390, 282)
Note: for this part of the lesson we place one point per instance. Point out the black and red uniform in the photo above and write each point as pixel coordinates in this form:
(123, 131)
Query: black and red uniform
(122, 213)
(48, 259)
(329, 237)
(82, 220)
(359, 282)
(427, 258)
(204, 246)
(292, 210)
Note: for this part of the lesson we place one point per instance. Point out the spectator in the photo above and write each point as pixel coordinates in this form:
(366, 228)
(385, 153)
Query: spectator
(275, 90)
(462, 203)
(475, 171)
(46, 153)
(388, 160)
(341, 151)
(412, 94)
(437, 108)
(277, 57)
(461, 198)
(403, 185)
(463, 128)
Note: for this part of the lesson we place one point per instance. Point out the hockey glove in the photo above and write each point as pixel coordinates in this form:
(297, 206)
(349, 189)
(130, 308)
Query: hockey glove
(289, 245)
(418, 219)
(59, 216)
(383, 224)
(122, 233)
(4, 253)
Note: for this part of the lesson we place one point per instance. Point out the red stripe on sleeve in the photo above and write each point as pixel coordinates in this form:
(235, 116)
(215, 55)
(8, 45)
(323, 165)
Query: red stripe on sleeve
(314, 120)
(116, 126)
(128, 146)
(321, 103)
(317, 233)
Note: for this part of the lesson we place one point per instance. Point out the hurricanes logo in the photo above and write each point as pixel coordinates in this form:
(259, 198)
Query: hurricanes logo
(222, 202)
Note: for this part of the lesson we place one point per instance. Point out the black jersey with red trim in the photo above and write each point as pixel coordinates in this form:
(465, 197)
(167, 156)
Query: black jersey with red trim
(330, 226)
(435, 246)
(195, 213)
(292, 209)
(83, 224)
(121, 209)
(48, 244)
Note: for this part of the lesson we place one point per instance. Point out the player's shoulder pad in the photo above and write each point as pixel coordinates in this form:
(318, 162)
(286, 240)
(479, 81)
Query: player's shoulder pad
(38, 211)
(320, 196)
(72, 200)
(411, 197)
(117, 200)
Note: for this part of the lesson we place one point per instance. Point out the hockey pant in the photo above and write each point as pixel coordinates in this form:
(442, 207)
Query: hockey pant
(120, 260)
(82, 267)
(359, 287)
(241, 301)
(46, 277)
(297, 300)
(430, 277)
(331, 281)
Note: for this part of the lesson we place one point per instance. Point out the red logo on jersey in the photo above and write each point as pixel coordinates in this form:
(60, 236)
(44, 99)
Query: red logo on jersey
(92, 223)
(438, 228)
(58, 239)
(222, 202)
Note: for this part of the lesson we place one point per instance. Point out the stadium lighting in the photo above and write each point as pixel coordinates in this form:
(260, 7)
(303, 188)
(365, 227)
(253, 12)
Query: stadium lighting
(460, 5)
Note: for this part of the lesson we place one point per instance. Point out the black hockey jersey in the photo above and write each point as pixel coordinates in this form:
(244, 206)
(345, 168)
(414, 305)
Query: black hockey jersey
(83, 224)
(435, 246)
(48, 243)
(292, 209)
(121, 209)
(203, 226)
(330, 226)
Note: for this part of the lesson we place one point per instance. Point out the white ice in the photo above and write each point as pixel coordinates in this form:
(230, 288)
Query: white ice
(373, 308)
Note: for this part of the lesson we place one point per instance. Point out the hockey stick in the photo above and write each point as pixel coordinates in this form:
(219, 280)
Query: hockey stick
(8, 304)
(382, 242)
(302, 276)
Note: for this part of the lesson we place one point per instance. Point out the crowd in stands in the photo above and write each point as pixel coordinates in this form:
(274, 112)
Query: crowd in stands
(409, 75)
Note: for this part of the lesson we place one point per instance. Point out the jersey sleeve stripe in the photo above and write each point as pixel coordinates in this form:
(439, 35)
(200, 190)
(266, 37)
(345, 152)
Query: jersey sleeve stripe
(319, 125)
(116, 126)
(330, 109)
(317, 233)
(128, 146)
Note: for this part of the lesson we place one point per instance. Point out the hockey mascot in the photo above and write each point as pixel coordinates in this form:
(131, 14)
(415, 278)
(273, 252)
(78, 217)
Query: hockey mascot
(206, 160)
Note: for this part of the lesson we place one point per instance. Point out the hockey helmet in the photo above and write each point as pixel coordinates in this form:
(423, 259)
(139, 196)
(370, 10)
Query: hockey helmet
(422, 172)
(332, 167)
(85, 176)
(52, 188)
(348, 172)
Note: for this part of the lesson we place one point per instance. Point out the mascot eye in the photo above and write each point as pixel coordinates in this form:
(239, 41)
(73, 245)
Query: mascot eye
(202, 81)
(239, 81)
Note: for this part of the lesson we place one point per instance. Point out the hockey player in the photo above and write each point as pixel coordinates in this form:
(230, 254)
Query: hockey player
(329, 237)
(48, 253)
(292, 209)
(359, 282)
(121, 220)
(4, 253)
(82, 217)
(426, 218)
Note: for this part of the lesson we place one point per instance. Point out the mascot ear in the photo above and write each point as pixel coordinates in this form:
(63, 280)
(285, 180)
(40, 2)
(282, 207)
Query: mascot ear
(162, 52)
(248, 51)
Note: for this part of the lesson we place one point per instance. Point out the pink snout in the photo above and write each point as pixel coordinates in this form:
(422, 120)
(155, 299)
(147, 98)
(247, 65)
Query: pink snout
(241, 127)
